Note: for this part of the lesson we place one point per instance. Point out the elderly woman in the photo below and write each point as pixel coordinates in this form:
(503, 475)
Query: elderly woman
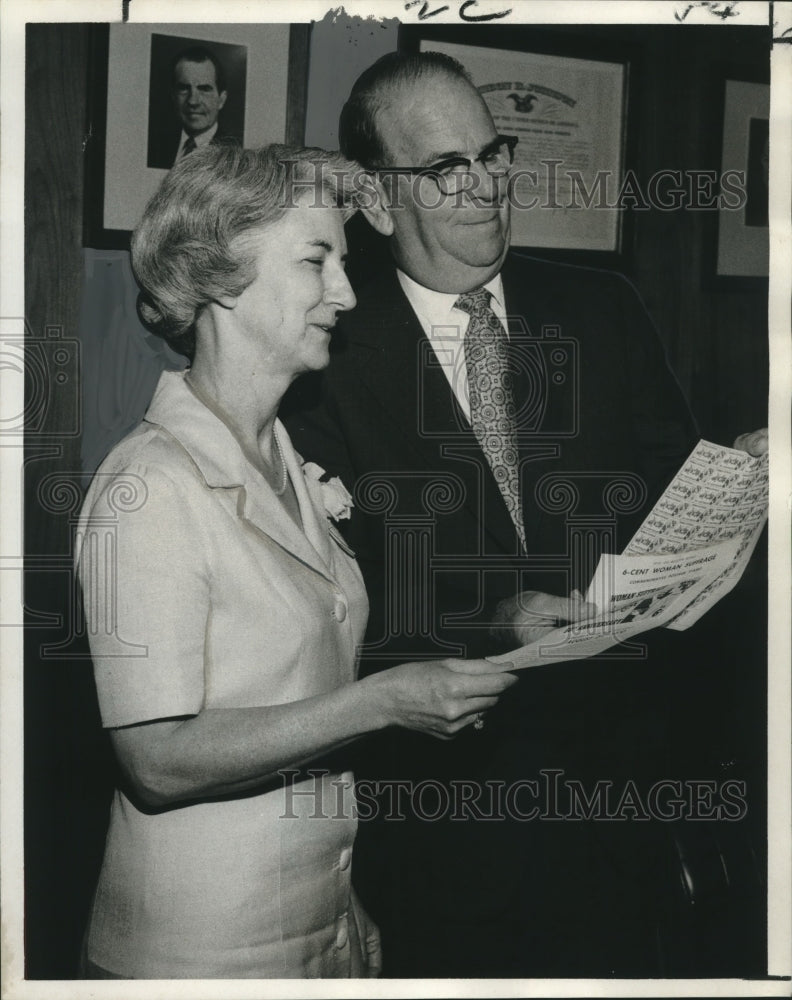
(224, 609)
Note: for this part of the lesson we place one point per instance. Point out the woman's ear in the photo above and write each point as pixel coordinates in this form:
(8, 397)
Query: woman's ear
(374, 204)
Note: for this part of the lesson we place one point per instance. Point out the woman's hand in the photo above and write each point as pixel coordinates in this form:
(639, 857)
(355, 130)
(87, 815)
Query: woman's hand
(530, 615)
(222, 751)
(437, 697)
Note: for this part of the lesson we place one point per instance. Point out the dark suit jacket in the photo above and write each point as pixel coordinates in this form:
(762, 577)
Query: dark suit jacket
(603, 427)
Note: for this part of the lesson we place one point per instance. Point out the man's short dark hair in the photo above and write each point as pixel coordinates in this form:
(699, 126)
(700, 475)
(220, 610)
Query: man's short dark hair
(199, 54)
(358, 135)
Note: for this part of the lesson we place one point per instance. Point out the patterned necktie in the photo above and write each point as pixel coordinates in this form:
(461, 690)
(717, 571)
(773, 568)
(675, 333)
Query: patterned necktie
(492, 413)
(189, 146)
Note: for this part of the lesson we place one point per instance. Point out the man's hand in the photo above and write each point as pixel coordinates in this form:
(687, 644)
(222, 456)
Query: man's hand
(530, 615)
(755, 443)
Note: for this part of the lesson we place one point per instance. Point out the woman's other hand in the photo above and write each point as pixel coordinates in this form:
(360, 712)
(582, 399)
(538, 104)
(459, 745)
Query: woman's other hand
(438, 697)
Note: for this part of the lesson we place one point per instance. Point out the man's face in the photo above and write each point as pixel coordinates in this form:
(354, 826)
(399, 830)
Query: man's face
(456, 242)
(195, 95)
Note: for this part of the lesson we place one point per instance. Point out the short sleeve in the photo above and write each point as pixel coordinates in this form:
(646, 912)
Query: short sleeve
(142, 568)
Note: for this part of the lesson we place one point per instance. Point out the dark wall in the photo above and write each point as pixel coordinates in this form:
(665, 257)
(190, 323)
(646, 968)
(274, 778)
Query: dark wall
(716, 337)
(67, 778)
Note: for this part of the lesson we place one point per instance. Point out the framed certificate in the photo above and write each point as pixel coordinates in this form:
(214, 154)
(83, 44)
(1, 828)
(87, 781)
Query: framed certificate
(570, 115)
(743, 244)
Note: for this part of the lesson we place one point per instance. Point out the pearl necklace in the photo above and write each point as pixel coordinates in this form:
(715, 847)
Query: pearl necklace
(284, 478)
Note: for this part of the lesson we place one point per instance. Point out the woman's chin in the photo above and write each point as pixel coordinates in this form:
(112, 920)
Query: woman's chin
(316, 361)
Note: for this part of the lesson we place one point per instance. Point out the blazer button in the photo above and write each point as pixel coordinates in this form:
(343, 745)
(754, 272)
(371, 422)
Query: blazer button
(344, 859)
(339, 610)
(343, 934)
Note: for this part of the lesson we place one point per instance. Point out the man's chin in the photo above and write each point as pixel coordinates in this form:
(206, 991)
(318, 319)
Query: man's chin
(483, 244)
(487, 253)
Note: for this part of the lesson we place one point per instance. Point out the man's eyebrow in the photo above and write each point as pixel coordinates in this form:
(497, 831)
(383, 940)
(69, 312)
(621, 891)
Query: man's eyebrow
(451, 154)
(456, 154)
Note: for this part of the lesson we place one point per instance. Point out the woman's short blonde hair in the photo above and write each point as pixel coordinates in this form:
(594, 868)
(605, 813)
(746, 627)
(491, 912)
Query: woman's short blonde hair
(186, 251)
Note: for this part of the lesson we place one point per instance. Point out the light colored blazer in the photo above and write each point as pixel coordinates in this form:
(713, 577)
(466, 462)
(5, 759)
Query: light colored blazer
(201, 592)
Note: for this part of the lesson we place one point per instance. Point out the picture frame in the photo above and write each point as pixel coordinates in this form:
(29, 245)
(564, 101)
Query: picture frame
(127, 136)
(742, 245)
(571, 97)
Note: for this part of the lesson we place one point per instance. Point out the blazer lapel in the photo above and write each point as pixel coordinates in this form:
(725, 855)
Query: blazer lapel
(263, 510)
(309, 497)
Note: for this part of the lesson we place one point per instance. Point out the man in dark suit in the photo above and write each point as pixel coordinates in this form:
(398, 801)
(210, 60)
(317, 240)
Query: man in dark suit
(480, 492)
(198, 94)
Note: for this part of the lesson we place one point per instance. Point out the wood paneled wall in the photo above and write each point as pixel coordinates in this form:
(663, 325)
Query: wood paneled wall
(66, 760)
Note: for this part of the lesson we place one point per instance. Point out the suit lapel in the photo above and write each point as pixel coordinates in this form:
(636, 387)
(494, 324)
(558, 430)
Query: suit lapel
(396, 363)
(527, 310)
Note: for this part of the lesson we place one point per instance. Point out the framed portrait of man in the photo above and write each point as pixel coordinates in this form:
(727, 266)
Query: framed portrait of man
(196, 95)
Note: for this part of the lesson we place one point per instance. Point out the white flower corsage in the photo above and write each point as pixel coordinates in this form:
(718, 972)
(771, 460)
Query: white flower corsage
(336, 497)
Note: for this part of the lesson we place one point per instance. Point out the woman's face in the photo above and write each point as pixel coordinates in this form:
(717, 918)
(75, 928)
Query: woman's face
(300, 285)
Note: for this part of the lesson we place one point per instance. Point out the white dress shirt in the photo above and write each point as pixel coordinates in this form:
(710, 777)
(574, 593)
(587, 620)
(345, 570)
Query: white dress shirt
(445, 327)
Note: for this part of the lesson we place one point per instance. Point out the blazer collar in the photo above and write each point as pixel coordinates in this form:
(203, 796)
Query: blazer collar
(222, 464)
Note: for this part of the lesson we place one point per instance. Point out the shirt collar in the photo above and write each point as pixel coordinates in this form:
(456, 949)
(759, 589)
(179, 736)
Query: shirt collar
(202, 139)
(428, 301)
(219, 458)
(202, 434)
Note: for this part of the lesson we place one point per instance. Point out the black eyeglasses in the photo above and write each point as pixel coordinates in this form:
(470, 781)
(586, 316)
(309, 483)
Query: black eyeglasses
(451, 175)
